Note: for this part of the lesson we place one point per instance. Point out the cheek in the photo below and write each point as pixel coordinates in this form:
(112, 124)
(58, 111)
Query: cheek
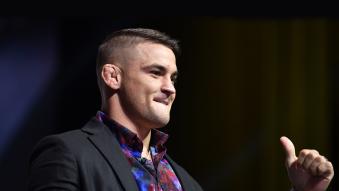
(173, 96)
(144, 87)
(147, 91)
(150, 86)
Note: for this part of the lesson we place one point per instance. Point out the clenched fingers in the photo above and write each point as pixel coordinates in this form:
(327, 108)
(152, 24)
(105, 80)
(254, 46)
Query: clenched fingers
(315, 163)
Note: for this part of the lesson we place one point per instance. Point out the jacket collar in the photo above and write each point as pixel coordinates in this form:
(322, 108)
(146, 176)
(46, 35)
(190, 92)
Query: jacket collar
(185, 180)
(105, 141)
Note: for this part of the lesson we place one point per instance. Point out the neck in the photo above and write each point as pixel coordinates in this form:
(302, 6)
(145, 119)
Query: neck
(145, 148)
(143, 132)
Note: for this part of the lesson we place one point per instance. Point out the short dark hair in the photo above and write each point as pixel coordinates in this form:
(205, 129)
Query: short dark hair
(132, 36)
(109, 48)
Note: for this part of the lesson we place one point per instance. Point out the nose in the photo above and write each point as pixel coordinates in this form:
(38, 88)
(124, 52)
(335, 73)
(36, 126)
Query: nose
(168, 87)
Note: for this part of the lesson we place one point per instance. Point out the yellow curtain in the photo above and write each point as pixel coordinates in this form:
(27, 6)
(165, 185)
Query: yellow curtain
(248, 82)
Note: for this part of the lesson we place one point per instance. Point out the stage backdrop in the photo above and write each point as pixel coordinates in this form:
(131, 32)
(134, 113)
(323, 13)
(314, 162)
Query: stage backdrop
(243, 83)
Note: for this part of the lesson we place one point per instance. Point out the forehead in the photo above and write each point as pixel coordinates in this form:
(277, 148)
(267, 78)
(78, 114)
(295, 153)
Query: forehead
(149, 53)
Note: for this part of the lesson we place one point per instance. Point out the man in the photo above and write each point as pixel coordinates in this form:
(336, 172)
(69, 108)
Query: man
(121, 148)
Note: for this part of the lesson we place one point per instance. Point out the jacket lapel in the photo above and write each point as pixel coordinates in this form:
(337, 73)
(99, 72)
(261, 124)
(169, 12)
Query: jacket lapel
(185, 181)
(105, 141)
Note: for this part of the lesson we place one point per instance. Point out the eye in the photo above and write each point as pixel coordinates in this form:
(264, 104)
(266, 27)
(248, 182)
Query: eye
(156, 72)
(174, 80)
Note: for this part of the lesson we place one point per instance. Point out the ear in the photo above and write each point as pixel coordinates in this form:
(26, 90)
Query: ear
(111, 75)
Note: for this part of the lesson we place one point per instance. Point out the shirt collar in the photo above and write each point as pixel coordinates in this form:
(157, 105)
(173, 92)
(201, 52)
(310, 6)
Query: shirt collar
(130, 139)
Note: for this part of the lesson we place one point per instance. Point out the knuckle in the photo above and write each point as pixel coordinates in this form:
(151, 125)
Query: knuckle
(329, 164)
(311, 156)
(303, 152)
(319, 159)
(315, 151)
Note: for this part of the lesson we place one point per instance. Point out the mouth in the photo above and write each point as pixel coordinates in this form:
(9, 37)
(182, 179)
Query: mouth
(164, 101)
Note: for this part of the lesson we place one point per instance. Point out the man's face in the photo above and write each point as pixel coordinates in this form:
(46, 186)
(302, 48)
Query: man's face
(147, 90)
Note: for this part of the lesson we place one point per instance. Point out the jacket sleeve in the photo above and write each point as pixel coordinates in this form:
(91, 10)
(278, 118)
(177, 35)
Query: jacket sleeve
(52, 167)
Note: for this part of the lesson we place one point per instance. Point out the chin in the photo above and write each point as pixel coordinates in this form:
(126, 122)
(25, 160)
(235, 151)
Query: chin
(161, 122)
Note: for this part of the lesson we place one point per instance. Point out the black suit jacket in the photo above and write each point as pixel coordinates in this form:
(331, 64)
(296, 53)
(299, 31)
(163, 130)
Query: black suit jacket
(89, 159)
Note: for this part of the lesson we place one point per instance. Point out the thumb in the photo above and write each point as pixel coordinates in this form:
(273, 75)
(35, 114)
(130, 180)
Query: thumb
(289, 150)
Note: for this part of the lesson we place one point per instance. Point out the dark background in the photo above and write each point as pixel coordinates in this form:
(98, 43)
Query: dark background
(244, 82)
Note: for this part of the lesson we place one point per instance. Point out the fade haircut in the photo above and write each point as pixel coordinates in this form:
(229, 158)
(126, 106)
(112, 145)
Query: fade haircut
(109, 49)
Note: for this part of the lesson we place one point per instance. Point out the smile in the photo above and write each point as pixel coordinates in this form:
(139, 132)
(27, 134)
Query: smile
(163, 101)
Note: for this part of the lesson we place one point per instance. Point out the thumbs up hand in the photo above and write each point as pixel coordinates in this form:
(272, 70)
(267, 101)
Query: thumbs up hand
(309, 171)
